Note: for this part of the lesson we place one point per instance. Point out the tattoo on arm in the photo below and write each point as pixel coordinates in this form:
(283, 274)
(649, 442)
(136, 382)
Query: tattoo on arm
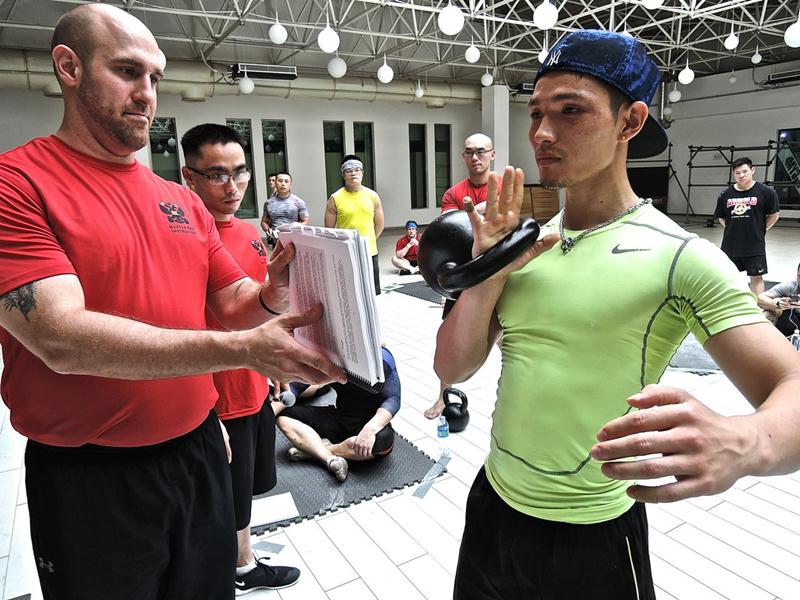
(21, 298)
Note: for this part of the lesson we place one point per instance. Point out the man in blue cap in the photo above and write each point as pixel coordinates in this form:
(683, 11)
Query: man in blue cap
(552, 515)
(405, 251)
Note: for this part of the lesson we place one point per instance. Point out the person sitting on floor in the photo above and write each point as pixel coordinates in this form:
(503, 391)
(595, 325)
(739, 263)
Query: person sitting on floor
(782, 304)
(356, 428)
(405, 251)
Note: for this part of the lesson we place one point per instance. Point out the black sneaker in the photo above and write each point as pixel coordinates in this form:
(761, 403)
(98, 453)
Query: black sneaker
(265, 577)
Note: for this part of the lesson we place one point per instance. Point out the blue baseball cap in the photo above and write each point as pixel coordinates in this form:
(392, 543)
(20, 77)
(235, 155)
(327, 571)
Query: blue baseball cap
(621, 62)
(411, 224)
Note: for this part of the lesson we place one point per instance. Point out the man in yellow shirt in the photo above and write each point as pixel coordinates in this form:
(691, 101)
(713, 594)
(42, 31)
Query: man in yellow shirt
(355, 206)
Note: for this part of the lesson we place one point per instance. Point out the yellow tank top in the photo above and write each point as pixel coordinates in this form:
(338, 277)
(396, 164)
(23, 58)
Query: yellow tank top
(356, 210)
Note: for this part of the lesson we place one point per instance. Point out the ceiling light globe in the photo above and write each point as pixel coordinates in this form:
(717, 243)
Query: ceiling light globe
(543, 55)
(487, 79)
(667, 112)
(756, 58)
(674, 95)
(418, 91)
(450, 20)
(246, 85)
(337, 67)
(545, 15)
(652, 4)
(278, 34)
(328, 40)
(731, 41)
(472, 55)
(385, 73)
(792, 35)
(686, 76)
(732, 78)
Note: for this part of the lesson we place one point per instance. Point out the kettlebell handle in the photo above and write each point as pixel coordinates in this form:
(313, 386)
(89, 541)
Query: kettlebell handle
(455, 278)
(455, 392)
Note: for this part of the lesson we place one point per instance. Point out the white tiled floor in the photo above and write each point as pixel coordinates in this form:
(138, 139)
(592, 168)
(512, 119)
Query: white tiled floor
(744, 543)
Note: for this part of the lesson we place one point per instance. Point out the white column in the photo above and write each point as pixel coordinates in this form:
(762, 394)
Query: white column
(495, 122)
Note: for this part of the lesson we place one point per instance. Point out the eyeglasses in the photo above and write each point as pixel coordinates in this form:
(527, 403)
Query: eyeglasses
(480, 152)
(240, 176)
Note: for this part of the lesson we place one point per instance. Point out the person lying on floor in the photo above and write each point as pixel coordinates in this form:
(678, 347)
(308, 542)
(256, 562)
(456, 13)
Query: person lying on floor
(357, 427)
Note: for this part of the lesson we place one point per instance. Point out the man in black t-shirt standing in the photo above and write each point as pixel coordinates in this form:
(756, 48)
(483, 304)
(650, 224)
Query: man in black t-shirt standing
(746, 210)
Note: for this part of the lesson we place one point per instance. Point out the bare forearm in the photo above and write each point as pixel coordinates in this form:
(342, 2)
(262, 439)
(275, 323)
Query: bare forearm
(379, 421)
(240, 308)
(777, 422)
(722, 222)
(467, 334)
(91, 343)
(772, 219)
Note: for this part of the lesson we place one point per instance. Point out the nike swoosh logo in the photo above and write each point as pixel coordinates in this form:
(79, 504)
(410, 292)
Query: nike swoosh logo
(617, 250)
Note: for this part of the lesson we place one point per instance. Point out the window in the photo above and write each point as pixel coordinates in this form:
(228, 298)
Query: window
(787, 169)
(417, 162)
(273, 133)
(333, 136)
(441, 138)
(364, 148)
(164, 149)
(247, 209)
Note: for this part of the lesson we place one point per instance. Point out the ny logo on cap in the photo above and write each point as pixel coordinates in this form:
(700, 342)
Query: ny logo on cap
(553, 58)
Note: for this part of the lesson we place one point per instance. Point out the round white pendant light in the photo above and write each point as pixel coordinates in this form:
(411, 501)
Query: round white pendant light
(472, 54)
(543, 55)
(487, 79)
(450, 19)
(792, 35)
(732, 78)
(652, 4)
(246, 85)
(278, 33)
(418, 91)
(328, 40)
(732, 41)
(545, 15)
(756, 58)
(667, 112)
(686, 76)
(385, 72)
(171, 142)
(337, 67)
(675, 94)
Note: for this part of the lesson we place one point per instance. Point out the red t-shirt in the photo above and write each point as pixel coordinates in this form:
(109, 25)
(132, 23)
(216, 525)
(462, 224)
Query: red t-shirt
(242, 391)
(401, 243)
(453, 199)
(143, 248)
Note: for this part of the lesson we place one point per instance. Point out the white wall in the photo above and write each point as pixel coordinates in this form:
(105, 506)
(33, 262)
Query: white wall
(714, 112)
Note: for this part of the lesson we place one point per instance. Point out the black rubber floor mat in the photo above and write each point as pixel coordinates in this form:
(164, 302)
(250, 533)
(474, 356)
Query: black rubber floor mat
(315, 491)
(419, 289)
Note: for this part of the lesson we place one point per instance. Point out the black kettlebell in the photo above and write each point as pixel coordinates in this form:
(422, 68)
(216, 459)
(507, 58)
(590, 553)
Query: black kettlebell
(444, 254)
(456, 414)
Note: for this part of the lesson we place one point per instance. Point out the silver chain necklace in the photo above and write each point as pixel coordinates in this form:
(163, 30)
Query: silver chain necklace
(567, 243)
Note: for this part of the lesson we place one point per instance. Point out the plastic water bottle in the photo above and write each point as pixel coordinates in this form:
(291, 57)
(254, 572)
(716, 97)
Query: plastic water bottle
(795, 339)
(443, 435)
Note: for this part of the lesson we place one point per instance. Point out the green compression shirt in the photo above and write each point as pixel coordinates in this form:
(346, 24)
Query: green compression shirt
(583, 331)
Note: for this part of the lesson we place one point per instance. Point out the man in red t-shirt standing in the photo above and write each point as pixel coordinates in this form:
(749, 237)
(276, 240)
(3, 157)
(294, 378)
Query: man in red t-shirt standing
(477, 155)
(216, 171)
(105, 274)
(405, 250)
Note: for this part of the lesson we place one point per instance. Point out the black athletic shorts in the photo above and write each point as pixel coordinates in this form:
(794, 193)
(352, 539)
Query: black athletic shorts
(507, 555)
(148, 523)
(329, 423)
(754, 265)
(252, 460)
